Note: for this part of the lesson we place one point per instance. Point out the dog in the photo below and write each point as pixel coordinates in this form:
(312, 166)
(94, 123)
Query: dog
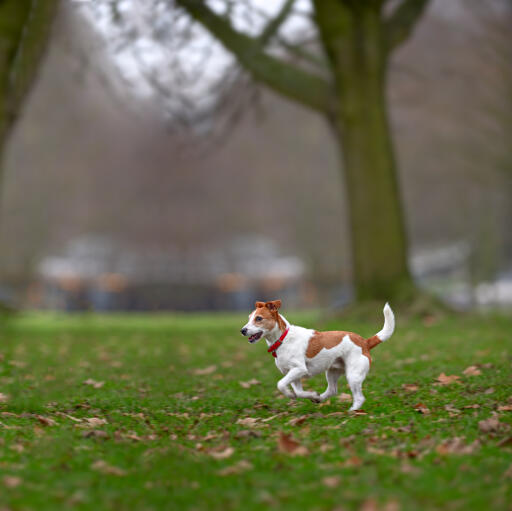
(301, 353)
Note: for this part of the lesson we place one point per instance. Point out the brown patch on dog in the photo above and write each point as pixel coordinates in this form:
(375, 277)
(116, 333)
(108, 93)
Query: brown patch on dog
(329, 340)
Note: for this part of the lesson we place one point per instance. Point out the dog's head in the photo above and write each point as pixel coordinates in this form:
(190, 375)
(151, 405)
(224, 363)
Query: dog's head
(263, 320)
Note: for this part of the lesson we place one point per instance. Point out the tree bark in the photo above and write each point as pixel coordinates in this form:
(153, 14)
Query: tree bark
(24, 29)
(354, 41)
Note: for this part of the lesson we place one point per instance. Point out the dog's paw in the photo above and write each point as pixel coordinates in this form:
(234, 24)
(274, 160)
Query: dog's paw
(316, 399)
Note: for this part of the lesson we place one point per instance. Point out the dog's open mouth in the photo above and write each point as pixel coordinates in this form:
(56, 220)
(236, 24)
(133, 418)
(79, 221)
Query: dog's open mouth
(255, 337)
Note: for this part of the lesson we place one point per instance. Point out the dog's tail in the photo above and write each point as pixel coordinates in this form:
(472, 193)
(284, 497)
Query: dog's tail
(387, 329)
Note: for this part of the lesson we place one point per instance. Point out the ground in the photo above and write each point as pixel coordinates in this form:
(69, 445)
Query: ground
(180, 412)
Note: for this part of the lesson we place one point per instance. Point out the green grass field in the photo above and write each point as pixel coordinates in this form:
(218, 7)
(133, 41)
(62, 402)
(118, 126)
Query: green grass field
(164, 421)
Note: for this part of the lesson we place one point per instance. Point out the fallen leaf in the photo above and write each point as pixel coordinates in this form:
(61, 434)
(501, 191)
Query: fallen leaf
(287, 444)
(410, 387)
(358, 412)
(331, 481)
(3, 398)
(508, 473)
(206, 370)
(444, 379)
(249, 383)
(93, 422)
(472, 371)
(345, 397)
(421, 408)
(353, 461)
(222, 454)
(474, 405)
(11, 481)
(369, 505)
(95, 384)
(46, 421)
(490, 390)
(105, 468)
(505, 408)
(457, 445)
(237, 468)
(450, 408)
(489, 425)
(297, 421)
(248, 421)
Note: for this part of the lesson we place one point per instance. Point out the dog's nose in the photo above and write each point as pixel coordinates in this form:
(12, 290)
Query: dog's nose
(243, 331)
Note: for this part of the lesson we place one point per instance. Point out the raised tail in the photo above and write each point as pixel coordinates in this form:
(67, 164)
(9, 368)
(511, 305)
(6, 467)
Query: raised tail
(387, 329)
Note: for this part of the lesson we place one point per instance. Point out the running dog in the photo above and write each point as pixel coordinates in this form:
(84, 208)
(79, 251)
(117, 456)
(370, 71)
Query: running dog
(301, 353)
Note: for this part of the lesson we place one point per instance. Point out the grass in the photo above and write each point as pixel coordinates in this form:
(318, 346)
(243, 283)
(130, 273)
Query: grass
(168, 437)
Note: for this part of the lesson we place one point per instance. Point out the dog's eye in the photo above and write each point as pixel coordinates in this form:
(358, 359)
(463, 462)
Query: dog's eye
(258, 318)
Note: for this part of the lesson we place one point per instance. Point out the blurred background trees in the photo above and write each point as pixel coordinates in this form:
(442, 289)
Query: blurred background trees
(122, 157)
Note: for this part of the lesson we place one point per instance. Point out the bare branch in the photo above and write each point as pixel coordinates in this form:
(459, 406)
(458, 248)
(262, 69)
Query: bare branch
(274, 24)
(402, 21)
(301, 86)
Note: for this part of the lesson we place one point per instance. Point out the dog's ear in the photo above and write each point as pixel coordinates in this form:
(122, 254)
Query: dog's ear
(273, 305)
(258, 305)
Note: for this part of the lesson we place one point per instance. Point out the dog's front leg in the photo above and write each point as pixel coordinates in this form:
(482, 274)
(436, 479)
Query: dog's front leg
(306, 394)
(292, 375)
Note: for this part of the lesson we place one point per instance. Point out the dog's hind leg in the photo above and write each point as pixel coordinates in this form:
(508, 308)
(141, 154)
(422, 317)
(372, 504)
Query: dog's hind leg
(357, 369)
(332, 375)
(306, 394)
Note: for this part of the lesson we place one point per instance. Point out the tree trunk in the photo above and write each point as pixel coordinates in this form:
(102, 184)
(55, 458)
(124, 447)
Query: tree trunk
(379, 247)
(24, 28)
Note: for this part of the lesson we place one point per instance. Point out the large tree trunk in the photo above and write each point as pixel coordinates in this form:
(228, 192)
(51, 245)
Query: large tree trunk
(354, 43)
(24, 28)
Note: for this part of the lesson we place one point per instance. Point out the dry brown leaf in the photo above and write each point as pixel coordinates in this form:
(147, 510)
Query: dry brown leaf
(204, 371)
(11, 481)
(489, 425)
(297, 421)
(358, 412)
(444, 379)
(353, 461)
(46, 421)
(237, 468)
(369, 505)
(410, 387)
(94, 422)
(93, 383)
(3, 398)
(505, 408)
(288, 445)
(421, 408)
(331, 481)
(450, 408)
(17, 447)
(105, 468)
(221, 454)
(457, 445)
(345, 397)
(248, 421)
(508, 473)
(490, 390)
(249, 383)
(475, 405)
(472, 371)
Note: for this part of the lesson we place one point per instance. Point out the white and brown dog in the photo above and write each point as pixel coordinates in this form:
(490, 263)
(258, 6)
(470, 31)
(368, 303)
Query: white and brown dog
(302, 353)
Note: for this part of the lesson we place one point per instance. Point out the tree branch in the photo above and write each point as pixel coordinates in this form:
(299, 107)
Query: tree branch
(402, 21)
(275, 23)
(296, 84)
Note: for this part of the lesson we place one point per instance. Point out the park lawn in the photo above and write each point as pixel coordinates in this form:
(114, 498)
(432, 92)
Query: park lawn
(165, 422)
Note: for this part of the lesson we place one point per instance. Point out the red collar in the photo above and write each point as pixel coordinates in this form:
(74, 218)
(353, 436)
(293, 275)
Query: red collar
(278, 343)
